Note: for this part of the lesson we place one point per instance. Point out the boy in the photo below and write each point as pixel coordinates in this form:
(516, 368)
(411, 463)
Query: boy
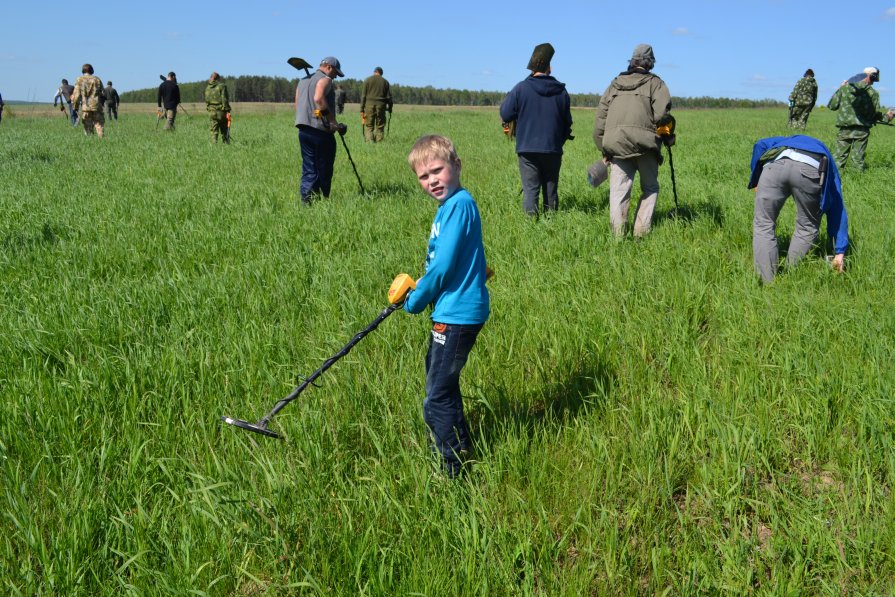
(455, 282)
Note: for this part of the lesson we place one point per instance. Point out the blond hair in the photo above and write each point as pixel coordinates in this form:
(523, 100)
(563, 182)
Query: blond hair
(432, 147)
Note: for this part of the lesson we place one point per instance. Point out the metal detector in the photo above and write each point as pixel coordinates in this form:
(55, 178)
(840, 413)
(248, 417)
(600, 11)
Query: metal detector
(665, 130)
(262, 426)
(345, 145)
(673, 182)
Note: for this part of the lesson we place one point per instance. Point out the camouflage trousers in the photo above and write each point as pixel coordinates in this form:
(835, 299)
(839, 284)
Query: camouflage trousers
(851, 140)
(374, 127)
(93, 123)
(800, 116)
(218, 120)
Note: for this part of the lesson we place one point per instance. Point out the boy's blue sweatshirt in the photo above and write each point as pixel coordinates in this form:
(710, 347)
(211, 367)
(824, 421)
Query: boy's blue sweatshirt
(831, 193)
(455, 265)
(542, 110)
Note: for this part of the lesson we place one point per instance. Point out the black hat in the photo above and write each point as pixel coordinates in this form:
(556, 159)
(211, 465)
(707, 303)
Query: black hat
(540, 58)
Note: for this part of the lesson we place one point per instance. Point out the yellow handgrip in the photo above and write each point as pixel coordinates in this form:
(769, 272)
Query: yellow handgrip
(401, 285)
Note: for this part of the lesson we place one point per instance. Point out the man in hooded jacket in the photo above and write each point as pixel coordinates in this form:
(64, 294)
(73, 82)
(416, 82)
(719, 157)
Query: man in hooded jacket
(630, 110)
(540, 107)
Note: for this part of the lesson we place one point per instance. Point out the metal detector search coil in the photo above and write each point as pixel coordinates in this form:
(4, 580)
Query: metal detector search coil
(262, 426)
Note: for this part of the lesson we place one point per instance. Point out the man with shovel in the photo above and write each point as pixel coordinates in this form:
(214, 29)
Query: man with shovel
(315, 118)
(169, 98)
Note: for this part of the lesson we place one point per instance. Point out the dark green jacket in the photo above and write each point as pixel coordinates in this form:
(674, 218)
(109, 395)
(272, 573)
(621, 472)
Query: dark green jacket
(377, 92)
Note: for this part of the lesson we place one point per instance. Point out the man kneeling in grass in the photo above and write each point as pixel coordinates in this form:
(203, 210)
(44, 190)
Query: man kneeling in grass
(804, 168)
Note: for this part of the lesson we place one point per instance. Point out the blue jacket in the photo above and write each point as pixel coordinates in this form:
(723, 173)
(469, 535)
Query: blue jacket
(455, 265)
(542, 110)
(831, 193)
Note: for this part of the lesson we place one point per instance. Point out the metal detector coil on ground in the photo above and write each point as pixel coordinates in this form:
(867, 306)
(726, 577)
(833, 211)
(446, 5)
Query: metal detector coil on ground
(262, 426)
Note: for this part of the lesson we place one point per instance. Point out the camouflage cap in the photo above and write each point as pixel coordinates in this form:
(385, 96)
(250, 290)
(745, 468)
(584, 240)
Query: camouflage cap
(540, 58)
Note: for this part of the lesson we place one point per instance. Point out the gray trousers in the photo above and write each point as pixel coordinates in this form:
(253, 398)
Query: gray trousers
(539, 171)
(621, 179)
(778, 181)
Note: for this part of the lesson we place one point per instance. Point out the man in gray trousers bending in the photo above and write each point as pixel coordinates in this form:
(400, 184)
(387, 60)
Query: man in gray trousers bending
(804, 168)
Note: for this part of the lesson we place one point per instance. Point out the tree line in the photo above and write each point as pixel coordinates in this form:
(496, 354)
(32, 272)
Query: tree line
(249, 88)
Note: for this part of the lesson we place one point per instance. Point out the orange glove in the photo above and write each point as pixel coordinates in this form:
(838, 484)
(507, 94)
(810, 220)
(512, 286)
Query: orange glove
(229, 120)
(363, 118)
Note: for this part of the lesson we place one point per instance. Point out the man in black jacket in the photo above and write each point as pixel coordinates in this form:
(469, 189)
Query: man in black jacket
(169, 97)
(112, 101)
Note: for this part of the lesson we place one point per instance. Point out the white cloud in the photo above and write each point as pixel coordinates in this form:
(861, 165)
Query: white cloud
(889, 14)
(487, 72)
(681, 31)
(758, 78)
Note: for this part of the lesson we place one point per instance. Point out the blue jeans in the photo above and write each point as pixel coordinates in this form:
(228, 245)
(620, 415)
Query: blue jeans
(73, 113)
(318, 154)
(449, 347)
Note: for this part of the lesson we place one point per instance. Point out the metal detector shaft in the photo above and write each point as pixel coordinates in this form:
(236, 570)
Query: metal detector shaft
(262, 425)
(345, 145)
(673, 182)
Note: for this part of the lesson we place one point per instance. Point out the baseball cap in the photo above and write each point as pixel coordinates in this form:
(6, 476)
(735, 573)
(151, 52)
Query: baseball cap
(333, 62)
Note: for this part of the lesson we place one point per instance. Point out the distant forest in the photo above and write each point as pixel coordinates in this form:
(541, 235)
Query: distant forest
(279, 89)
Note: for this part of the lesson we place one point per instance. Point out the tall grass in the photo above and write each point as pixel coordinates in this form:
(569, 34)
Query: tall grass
(647, 417)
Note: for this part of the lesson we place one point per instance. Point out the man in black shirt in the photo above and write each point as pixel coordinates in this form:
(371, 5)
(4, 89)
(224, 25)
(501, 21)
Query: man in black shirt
(169, 97)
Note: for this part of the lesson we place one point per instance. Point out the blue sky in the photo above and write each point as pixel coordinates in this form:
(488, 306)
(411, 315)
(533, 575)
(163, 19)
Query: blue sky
(756, 49)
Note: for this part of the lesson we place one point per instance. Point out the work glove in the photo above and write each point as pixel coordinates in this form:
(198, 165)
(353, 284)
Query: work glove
(389, 109)
(342, 128)
(62, 107)
(158, 112)
(363, 118)
(400, 288)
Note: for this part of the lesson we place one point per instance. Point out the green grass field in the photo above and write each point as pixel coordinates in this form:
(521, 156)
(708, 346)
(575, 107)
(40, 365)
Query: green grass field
(648, 418)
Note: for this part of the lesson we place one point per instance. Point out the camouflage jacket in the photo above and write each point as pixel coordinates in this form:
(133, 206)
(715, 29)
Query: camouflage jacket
(858, 105)
(88, 94)
(216, 97)
(805, 92)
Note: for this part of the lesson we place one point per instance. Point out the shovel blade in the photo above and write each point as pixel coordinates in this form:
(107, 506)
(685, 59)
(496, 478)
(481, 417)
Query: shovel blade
(298, 63)
(260, 429)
